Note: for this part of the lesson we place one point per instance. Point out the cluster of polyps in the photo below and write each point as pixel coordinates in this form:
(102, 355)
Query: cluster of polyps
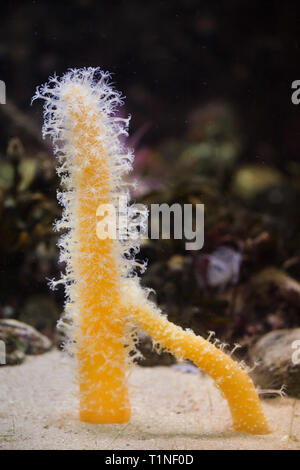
(102, 297)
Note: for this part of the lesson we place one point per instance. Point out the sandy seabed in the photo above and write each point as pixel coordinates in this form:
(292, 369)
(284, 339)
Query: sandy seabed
(170, 410)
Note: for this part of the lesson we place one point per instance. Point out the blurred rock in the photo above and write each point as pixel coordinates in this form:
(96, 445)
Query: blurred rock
(41, 312)
(21, 339)
(17, 356)
(220, 268)
(214, 143)
(286, 287)
(254, 179)
(275, 353)
(187, 368)
(176, 263)
(151, 357)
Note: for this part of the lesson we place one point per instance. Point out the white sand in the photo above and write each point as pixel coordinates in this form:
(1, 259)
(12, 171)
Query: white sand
(171, 410)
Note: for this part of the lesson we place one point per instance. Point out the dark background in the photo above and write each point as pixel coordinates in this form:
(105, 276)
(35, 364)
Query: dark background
(208, 85)
(167, 58)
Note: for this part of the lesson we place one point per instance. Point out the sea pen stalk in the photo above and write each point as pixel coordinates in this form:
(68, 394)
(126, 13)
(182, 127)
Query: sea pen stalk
(78, 116)
(233, 382)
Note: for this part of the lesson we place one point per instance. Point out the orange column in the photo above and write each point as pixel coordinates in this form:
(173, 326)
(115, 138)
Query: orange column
(233, 382)
(100, 348)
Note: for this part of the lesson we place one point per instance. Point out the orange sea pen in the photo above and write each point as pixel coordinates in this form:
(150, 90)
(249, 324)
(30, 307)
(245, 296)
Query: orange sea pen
(102, 300)
(78, 117)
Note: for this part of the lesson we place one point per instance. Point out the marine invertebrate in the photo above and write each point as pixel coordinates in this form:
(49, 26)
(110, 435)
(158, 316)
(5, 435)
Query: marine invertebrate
(102, 299)
(233, 382)
(79, 118)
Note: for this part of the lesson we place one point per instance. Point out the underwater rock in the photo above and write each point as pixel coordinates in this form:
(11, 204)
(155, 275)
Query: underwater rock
(21, 339)
(278, 356)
